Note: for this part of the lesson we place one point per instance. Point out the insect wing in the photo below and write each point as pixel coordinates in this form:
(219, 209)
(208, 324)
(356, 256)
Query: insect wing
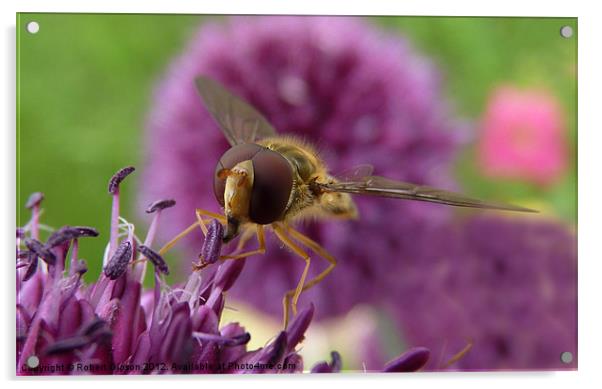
(238, 120)
(356, 174)
(384, 187)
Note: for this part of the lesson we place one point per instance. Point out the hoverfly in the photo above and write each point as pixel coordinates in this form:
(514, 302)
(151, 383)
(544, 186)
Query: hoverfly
(270, 180)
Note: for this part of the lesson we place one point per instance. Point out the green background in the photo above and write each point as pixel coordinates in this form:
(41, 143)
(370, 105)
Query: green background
(85, 84)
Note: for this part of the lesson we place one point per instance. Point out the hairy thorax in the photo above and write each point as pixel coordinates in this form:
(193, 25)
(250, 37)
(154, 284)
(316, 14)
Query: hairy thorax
(308, 167)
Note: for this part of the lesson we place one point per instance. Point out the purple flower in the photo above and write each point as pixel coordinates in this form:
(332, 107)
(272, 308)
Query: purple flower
(508, 286)
(109, 327)
(324, 367)
(410, 361)
(361, 95)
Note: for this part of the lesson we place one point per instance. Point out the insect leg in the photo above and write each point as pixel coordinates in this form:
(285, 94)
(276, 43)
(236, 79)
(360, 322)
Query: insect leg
(316, 248)
(244, 238)
(199, 223)
(175, 239)
(214, 215)
(260, 238)
(294, 293)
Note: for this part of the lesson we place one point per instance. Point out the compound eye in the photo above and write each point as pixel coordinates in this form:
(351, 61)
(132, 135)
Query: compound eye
(233, 156)
(272, 185)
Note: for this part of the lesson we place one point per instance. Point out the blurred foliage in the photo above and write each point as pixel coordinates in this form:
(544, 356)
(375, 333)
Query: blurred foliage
(476, 55)
(85, 83)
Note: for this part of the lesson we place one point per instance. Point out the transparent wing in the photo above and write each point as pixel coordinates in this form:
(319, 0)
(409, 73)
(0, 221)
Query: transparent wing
(356, 173)
(384, 187)
(239, 121)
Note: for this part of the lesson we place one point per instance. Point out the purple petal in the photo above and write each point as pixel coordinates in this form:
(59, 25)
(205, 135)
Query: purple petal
(205, 320)
(410, 361)
(333, 367)
(31, 267)
(70, 319)
(336, 364)
(236, 346)
(109, 312)
(177, 343)
(274, 351)
(142, 349)
(125, 332)
(321, 367)
(298, 326)
(228, 341)
(23, 322)
(30, 295)
(227, 273)
(293, 363)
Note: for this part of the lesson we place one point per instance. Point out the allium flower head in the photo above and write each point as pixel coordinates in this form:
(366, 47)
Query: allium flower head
(524, 136)
(115, 327)
(361, 95)
(508, 287)
(107, 328)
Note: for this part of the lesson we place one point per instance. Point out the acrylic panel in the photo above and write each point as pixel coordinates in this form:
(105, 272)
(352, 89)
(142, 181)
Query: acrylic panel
(205, 194)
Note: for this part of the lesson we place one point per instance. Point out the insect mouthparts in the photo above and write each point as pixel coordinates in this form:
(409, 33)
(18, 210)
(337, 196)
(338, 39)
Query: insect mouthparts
(231, 229)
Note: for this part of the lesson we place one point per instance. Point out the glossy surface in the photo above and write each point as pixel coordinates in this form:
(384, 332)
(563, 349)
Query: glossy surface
(272, 183)
(271, 187)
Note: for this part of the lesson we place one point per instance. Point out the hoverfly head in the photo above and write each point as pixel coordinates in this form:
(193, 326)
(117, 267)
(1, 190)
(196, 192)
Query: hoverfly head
(253, 184)
(237, 196)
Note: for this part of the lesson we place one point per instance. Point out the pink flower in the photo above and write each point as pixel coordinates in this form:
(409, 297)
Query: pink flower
(523, 136)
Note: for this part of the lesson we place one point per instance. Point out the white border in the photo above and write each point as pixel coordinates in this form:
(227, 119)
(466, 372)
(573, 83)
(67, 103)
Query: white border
(590, 127)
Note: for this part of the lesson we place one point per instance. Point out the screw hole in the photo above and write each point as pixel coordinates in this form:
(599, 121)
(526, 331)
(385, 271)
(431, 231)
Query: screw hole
(566, 357)
(33, 362)
(566, 31)
(33, 27)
